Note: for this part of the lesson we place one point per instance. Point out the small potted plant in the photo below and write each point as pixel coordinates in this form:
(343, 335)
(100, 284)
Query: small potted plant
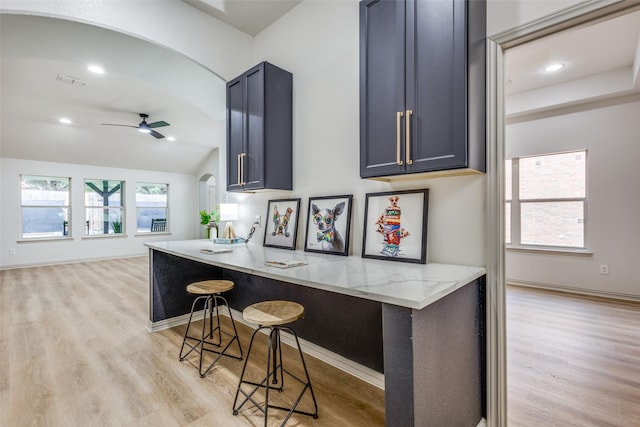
(210, 220)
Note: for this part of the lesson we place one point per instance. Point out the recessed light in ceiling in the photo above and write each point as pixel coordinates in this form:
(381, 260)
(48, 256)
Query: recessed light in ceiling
(556, 66)
(171, 138)
(65, 121)
(96, 69)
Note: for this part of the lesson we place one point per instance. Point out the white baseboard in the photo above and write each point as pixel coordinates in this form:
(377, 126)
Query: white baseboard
(573, 290)
(69, 261)
(161, 325)
(359, 371)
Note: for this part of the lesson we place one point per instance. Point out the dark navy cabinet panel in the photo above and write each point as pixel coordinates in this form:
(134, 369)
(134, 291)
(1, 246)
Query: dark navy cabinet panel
(422, 86)
(260, 130)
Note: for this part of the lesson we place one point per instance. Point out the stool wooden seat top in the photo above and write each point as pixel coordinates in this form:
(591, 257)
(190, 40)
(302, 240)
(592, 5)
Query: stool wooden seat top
(270, 313)
(209, 287)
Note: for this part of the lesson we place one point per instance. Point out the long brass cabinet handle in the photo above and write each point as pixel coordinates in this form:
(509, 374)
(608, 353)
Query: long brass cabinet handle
(239, 169)
(407, 131)
(398, 137)
(242, 156)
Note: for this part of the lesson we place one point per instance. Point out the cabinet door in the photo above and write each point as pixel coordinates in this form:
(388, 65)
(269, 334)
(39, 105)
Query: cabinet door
(255, 137)
(381, 88)
(235, 132)
(436, 84)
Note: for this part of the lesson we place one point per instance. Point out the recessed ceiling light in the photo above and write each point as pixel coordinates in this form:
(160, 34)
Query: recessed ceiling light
(556, 66)
(65, 121)
(171, 138)
(96, 69)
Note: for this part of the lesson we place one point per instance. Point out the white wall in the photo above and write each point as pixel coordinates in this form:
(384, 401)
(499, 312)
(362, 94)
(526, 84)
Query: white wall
(183, 218)
(612, 137)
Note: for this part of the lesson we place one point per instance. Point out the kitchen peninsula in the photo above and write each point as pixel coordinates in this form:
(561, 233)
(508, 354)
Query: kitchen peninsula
(420, 325)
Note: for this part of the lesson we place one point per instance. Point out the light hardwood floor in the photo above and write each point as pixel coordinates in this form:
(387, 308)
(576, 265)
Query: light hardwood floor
(74, 351)
(572, 361)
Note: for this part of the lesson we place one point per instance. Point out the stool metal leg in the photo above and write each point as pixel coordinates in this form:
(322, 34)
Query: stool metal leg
(234, 337)
(248, 396)
(186, 332)
(275, 363)
(210, 304)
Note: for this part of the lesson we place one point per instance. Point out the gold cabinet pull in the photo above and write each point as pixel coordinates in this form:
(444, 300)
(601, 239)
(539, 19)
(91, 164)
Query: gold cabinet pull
(398, 137)
(239, 168)
(242, 157)
(407, 131)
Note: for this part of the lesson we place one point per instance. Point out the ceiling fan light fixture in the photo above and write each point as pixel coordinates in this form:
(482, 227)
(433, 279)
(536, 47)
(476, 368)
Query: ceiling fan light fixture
(144, 127)
(64, 121)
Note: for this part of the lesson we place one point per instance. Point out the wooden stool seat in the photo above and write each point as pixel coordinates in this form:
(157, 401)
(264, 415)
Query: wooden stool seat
(271, 313)
(209, 287)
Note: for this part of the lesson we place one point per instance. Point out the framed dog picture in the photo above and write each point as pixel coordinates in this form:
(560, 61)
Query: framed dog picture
(395, 226)
(282, 223)
(328, 224)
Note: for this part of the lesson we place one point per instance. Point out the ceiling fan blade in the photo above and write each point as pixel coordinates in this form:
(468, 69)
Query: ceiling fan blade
(158, 124)
(114, 124)
(157, 134)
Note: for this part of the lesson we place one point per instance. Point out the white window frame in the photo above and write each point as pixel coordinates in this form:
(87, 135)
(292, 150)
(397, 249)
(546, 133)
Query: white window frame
(166, 208)
(516, 203)
(121, 208)
(24, 206)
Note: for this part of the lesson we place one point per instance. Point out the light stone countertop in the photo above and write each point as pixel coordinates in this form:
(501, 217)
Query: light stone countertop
(398, 283)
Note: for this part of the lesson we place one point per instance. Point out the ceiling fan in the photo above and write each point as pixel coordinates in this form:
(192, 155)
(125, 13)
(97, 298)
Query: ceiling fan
(144, 127)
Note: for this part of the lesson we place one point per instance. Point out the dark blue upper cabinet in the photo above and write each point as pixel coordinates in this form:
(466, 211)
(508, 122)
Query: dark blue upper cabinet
(260, 130)
(422, 86)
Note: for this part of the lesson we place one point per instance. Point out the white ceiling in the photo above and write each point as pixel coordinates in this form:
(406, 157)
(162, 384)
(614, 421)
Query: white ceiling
(586, 51)
(249, 16)
(144, 78)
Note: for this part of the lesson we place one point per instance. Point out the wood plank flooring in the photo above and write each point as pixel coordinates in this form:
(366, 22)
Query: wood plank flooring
(74, 351)
(571, 360)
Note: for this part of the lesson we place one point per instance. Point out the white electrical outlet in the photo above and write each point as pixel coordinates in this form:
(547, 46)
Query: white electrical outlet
(259, 220)
(12, 251)
(604, 269)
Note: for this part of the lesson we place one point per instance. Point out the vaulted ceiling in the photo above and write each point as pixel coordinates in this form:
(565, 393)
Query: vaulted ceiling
(44, 77)
(41, 55)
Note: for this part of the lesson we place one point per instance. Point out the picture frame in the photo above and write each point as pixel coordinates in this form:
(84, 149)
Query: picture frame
(395, 226)
(329, 225)
(282, 223)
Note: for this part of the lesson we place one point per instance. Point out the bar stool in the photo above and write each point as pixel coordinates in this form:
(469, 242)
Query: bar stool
(274, 315)
(208, 293)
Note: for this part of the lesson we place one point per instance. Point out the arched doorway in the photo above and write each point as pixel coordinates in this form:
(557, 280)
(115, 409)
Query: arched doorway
(207, 197)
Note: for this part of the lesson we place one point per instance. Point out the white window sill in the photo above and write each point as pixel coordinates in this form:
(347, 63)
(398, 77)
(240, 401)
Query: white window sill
(44, 239)
(550, 249)
(155, 233)
(105, 236)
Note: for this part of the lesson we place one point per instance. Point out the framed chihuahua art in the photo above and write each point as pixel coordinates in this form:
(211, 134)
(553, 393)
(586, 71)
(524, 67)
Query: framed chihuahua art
(395, 226)
(328, 224)
(282, 223)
